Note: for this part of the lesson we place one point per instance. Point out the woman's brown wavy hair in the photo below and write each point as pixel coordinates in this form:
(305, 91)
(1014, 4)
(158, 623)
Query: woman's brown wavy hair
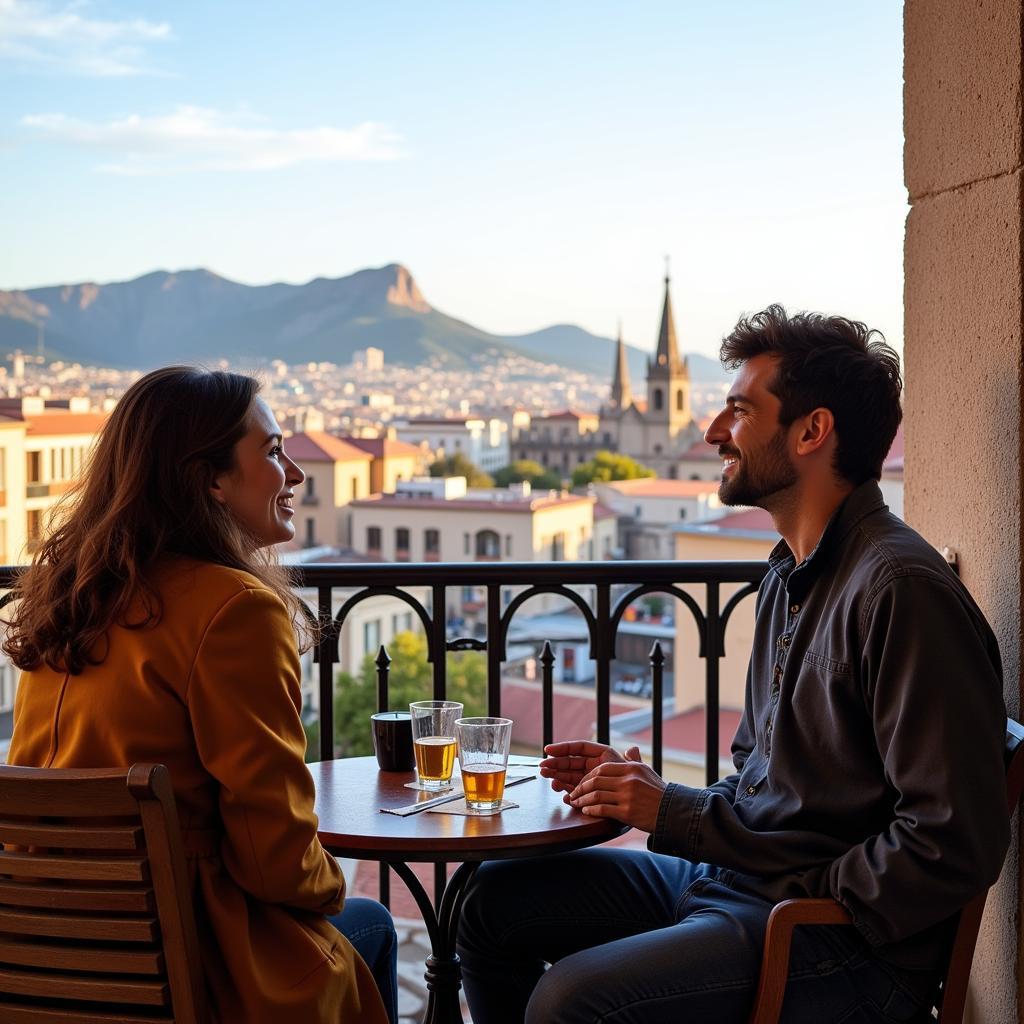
(145, 495)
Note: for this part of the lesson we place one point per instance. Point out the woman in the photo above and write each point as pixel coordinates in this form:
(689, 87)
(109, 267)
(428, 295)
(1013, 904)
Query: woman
(154, 625)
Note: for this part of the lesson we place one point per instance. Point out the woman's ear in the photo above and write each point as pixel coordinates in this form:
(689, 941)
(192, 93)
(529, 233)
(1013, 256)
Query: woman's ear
(217, 491)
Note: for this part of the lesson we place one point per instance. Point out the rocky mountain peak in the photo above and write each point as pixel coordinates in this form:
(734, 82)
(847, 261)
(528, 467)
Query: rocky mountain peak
(403, 291)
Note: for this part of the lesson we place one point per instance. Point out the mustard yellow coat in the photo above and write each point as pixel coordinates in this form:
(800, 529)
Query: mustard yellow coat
(212, 692)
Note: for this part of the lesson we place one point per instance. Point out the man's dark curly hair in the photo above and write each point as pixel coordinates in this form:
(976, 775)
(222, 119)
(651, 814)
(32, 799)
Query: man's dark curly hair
(834, 363)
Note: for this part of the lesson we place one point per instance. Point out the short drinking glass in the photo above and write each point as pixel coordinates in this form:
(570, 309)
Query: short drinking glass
(433, 736)
(483, 758)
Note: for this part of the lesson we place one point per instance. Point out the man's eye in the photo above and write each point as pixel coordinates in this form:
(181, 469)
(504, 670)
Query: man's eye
(276, 450)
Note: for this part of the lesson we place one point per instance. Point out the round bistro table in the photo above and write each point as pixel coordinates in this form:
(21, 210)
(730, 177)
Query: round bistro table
(350, 793)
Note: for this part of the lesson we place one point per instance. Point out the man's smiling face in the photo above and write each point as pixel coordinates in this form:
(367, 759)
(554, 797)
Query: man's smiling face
(754, 446)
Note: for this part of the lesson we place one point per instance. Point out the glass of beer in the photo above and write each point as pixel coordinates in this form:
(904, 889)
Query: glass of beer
(483, 758)
(433, 741)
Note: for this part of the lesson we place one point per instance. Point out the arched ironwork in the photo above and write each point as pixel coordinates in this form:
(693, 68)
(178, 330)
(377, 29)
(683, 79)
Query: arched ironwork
(365, 595)
(520, 599)
(658, 588)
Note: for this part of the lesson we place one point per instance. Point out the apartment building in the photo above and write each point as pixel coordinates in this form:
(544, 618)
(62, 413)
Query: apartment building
(57, 444)
(483, 441)
(560, 441)
(649, 509)
(337, 473)
(742, 534)
(431, 519)
(393, 460)
(44, 445)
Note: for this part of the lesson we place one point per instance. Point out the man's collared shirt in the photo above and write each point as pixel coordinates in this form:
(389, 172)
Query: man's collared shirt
(869, 756)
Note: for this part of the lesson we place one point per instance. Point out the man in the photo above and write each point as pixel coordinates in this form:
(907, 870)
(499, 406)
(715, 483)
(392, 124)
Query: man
(868, 760)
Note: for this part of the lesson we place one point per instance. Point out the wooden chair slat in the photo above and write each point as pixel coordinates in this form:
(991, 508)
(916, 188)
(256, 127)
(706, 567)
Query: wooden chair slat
(21, 1013)
(95, 869)
(96, 917)
(66, 897)
(104, 990)
(92, 792)
(70, 837)
(80, 958)
(66, 926)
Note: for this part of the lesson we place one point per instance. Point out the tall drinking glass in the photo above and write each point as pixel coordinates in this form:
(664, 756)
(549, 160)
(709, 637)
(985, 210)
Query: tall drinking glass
(433, 740)
(483, 758)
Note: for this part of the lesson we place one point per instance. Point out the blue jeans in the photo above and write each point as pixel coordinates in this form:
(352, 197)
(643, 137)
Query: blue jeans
(368, 926)
(638, 938)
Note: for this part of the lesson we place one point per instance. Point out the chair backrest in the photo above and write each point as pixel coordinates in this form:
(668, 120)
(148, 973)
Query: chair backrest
(96, 921)
(954, 988)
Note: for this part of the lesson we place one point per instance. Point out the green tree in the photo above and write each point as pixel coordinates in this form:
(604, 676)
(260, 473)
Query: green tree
(459, 465)
(609, 466)
(411, 678)
(526, 469)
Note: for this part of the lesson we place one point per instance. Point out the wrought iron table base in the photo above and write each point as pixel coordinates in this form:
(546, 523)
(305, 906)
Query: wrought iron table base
(443, 974)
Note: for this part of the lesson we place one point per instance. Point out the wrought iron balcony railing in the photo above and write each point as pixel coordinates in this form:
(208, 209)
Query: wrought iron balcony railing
(601, 591)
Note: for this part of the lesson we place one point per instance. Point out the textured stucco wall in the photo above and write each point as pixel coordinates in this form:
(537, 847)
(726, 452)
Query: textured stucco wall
(963, 348)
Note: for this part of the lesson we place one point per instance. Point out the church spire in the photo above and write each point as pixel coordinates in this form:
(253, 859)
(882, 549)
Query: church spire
(622, 393)
(667, 355)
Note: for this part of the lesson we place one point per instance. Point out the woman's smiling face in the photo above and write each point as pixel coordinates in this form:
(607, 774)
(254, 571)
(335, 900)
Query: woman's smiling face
(259, 489)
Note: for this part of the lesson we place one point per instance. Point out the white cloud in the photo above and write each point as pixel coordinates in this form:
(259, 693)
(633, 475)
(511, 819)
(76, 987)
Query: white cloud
(201, 139)
(59, 38)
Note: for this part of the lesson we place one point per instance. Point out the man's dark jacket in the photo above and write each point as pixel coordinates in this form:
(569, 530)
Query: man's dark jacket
(869, 757)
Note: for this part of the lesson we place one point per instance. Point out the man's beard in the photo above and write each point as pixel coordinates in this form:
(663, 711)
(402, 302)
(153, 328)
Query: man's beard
(759, 475)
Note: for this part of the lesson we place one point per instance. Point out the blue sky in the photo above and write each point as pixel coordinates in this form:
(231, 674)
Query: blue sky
(530, 162)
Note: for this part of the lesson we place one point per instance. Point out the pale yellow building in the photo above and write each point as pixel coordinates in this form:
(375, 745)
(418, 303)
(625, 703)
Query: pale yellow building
(57, 445)
(743, 535)
(439, 520)
(337, 473)
(13, 523)
(393, 460)
(44, 446)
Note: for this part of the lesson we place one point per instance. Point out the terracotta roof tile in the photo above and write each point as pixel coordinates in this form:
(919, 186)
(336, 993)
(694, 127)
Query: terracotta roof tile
(317, 446)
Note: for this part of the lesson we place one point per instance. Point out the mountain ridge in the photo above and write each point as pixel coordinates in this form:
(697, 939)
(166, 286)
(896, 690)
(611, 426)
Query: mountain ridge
(196, 314)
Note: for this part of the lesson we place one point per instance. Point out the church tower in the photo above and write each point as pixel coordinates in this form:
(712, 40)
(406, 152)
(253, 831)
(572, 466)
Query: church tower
(621, 397)
(668, 379)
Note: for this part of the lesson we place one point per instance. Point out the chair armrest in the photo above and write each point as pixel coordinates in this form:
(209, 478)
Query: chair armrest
(771, 986)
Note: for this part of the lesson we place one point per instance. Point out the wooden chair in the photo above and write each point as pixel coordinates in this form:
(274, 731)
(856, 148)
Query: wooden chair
(96, 923)
(786, 915)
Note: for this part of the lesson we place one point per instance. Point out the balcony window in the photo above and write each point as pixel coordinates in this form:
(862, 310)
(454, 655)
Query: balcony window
(355, 488)
(558, 547)
(402, 544)
(679, 400)
(33, 467)
(34, 527)
(431, 545)
(488, 545)
(373, 540)
(310, 532)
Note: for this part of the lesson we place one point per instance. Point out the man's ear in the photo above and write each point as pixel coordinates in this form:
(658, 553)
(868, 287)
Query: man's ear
(815, 430)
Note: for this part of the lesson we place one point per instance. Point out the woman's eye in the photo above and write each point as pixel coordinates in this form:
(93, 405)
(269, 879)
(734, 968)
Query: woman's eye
(276, 451)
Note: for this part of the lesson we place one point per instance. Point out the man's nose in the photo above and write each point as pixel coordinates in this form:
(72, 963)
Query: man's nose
(718, 432)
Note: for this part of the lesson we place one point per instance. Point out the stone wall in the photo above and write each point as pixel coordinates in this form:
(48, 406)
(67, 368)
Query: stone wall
(963, 350)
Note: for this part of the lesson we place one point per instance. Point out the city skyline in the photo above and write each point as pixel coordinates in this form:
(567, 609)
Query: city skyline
(533, 165)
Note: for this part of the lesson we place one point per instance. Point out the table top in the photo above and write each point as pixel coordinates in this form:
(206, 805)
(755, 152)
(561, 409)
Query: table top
(350, 792)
